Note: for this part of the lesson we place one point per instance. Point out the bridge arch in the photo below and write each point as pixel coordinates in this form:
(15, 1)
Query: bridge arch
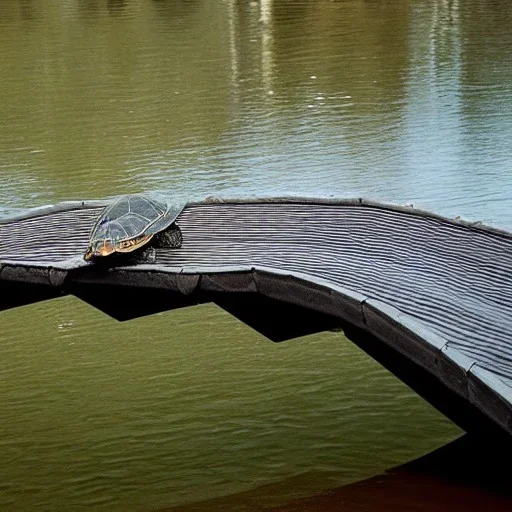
(296, 267)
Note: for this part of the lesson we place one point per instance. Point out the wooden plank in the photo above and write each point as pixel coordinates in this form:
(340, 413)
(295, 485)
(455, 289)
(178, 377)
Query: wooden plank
(438, 292)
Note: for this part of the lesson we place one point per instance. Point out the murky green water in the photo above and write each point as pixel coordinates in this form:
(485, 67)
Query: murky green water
(405, 101)
(397, 100)
(186, 406)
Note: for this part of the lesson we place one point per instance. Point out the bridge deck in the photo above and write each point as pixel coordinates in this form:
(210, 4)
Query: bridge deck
(438, 292)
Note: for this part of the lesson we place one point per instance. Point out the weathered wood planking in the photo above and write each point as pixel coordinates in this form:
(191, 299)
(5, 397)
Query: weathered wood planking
(435, 291)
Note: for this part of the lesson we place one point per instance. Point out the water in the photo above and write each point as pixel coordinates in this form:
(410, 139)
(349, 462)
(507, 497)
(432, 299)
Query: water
(186, 406)
(402, 101)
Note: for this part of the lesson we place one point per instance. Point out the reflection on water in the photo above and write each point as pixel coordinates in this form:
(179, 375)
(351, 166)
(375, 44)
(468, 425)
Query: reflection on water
(116, 6)
(463, 476)
(398, 101)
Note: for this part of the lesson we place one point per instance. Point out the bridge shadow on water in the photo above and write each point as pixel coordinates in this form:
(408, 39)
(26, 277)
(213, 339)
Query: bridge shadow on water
(469, 474)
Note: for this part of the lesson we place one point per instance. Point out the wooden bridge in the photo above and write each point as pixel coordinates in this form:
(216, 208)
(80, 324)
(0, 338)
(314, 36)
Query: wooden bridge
(429, 298)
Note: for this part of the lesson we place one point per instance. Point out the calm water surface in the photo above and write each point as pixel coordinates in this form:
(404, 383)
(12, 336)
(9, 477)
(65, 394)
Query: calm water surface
(402, 101)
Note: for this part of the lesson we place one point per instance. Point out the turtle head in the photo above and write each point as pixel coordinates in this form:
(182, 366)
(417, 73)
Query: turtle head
(88, 254)
(99, 249)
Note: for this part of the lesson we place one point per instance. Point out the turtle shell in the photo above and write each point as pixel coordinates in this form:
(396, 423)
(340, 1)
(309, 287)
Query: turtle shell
(131, 218)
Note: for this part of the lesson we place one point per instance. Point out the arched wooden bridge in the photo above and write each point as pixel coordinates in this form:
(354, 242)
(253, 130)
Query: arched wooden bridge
(429, 298)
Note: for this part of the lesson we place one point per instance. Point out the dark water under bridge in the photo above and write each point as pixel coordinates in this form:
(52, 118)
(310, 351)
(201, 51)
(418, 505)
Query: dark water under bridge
(428, 297)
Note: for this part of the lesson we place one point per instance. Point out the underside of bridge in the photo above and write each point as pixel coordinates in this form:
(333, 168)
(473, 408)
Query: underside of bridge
(275, 318)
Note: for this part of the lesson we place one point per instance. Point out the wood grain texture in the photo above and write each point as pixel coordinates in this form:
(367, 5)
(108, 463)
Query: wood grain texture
(451, 280)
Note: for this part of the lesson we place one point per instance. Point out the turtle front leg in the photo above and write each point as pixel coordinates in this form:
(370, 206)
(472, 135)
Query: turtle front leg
(140, 257)
(171, 238)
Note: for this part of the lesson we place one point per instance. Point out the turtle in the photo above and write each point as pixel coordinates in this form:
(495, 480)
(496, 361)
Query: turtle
(130, 223)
